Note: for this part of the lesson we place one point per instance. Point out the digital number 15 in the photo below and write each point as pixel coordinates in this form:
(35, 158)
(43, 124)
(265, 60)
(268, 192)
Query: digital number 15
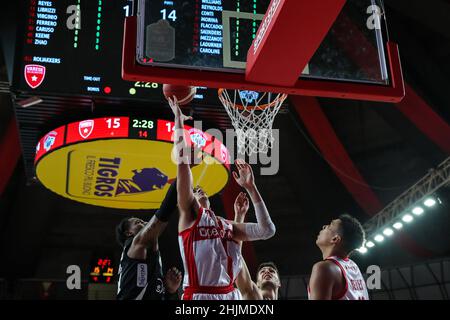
(113, 123)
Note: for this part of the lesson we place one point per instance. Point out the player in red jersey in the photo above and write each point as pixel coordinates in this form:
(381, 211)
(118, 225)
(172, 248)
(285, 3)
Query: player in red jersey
(208, 243)
(337, 277)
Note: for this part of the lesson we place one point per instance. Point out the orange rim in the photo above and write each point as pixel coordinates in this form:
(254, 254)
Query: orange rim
(262, 107)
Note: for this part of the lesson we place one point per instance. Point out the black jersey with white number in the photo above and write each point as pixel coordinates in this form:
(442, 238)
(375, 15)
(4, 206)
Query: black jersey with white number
(140, 279)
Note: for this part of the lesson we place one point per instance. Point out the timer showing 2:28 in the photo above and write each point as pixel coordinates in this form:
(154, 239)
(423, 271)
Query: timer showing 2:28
(142, 129)
(143, 124)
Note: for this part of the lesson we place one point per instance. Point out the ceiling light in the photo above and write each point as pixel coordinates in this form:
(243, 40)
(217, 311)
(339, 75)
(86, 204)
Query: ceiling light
(417, 211)
(398, 225)
(388, 232)
(379, 238)
(430, 202)
(370, 244)
(407, 218)
(362, 250)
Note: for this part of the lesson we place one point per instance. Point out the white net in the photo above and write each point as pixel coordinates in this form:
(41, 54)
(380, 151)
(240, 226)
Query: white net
(252, 114)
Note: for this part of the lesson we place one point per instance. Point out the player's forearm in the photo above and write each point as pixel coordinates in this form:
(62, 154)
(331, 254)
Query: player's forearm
(244, 280)
(151, 231)
(184, 176)
(262, 214)
(184, 187)
(179, 122)
(264, 228)
(254, 194)
(169, 204)
(239, 218)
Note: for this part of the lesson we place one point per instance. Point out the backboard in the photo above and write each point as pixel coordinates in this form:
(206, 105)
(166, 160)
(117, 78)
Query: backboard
(208, 43)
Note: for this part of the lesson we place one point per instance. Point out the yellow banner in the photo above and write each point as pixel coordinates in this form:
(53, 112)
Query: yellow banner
(121, 173)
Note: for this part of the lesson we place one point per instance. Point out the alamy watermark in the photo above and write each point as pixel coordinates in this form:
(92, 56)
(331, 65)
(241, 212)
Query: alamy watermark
(373, 281)
(269, 159)
(73, 281)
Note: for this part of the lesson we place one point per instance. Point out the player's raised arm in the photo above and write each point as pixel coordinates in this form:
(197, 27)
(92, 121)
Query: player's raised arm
(244, 281)
(147, 237)
(264, 228)
(184, 175)
(158, 223)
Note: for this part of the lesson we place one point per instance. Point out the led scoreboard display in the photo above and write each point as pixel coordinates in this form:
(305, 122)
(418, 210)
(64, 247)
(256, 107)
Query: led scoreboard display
(74, 47)
(102, 271)
(209, 34)
(128, 128)
(124, 162)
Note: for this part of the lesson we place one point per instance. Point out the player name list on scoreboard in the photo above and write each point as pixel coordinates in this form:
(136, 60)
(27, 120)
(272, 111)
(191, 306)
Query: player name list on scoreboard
(208, 33)
(42, 22)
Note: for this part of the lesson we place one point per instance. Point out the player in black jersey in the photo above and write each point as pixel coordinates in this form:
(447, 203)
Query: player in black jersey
(140, 270)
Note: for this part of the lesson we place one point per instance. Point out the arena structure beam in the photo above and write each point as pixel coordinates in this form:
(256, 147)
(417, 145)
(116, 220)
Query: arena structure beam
(425, 187)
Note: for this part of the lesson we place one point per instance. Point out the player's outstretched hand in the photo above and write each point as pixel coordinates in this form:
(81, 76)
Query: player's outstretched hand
(173, 280)
(241, 205)
(173, 103)
(245, 177)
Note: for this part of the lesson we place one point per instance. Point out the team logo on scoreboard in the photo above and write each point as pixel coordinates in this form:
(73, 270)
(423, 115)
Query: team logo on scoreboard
(34, 75)
(198, 137)
(49, 140)
(85, 128)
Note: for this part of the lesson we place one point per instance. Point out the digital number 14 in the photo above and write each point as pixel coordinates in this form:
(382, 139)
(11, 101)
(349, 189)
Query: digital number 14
(172, 15)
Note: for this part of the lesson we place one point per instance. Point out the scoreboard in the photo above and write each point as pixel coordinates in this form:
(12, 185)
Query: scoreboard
(198, 34)
(74, 47)
(125, 162)
(128, 128)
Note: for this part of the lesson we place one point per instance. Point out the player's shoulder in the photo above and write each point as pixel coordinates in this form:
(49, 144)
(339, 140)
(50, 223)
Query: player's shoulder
(323, 265)
(325, 268)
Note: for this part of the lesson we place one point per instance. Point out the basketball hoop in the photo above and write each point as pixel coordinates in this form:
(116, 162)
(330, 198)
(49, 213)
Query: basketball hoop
(252, 114)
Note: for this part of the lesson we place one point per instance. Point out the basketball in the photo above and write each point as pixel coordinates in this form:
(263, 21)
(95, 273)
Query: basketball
(184, 94)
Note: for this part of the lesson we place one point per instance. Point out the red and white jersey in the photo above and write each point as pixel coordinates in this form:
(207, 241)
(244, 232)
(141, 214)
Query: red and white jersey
(212, 260)
(355, 285)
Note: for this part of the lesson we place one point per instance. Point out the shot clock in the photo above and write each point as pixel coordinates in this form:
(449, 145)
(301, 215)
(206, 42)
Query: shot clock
(102, 270)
